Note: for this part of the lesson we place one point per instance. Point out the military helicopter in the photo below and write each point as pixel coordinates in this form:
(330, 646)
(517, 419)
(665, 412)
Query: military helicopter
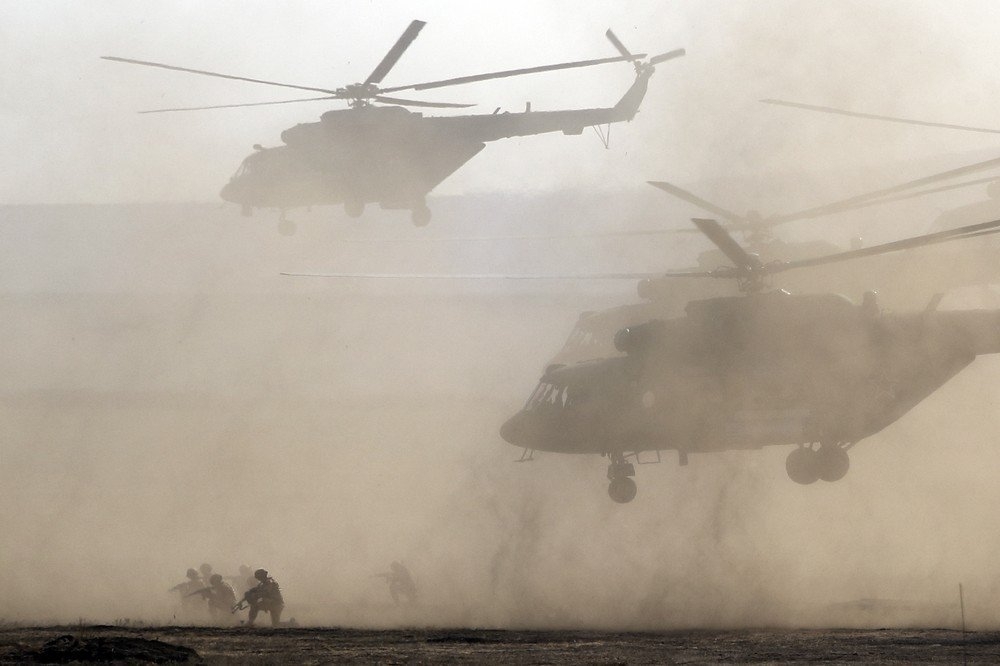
(764, 368)
(662, 296)
(389, 155)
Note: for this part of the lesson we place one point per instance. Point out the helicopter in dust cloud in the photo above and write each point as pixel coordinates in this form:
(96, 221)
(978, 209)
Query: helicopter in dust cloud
(896, 277)
(386, 154)
(763, 368)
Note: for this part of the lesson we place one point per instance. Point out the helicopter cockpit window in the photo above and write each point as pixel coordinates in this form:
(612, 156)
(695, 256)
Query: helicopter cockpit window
(243, 170)
(547, 395)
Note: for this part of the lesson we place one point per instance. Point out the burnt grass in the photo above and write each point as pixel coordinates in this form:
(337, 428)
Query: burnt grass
(304, 645)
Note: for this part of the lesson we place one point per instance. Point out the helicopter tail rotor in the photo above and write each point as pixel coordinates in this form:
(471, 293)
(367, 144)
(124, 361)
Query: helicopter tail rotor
(617, 43)
(640, 66)
(669, 55)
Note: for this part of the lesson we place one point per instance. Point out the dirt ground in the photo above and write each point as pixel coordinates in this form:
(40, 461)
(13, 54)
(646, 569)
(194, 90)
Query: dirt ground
(436, 646)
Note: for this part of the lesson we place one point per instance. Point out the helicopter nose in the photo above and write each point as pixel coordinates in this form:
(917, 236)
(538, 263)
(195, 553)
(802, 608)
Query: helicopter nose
(513, 429)
(227, 194)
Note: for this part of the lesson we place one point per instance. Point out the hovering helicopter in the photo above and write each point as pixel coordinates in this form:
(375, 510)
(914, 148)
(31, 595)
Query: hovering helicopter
(900, 276)
(765, 368)
(389, 155)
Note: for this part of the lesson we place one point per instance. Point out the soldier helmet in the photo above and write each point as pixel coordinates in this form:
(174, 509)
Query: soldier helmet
(192, 573)
(260, 574)
(215, 579)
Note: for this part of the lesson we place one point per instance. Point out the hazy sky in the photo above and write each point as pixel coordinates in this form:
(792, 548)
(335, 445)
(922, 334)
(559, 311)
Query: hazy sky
(70, 132)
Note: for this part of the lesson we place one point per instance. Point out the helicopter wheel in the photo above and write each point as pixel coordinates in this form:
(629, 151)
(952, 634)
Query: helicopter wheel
(803, 466)
(832, 463)
(420, 216)
(622, 489)
(354, 208)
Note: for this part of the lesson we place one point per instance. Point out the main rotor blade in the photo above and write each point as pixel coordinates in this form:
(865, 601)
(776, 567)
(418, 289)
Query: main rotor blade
(970, 231)
(698, 201)
(234, 106)
(395, 52)
(736, 254)
(923, 193)
(872, 116)
(414, 102)
(477, 276)
(878, 195)
(669, 55)
(534, 237)
(511, 72)
(216, 74)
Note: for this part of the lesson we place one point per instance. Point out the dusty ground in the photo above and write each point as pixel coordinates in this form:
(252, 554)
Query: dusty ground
(399, 646)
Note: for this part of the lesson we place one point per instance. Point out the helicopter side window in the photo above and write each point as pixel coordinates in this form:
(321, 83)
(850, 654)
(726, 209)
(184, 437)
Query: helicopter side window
(542, 395)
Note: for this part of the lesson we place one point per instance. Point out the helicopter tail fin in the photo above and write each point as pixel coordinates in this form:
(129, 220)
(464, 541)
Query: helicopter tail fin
(628, 105)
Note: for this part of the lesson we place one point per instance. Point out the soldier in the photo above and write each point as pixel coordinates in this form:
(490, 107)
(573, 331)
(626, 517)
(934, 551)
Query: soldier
(242, 581)
(220, 596)
(266, 596)
(400, 582)
(186, 589)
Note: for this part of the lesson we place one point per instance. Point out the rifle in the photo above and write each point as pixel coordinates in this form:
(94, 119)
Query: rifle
(205, 592)
(250, 596)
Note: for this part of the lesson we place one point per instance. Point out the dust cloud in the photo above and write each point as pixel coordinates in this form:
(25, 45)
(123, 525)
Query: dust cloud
(168, 398)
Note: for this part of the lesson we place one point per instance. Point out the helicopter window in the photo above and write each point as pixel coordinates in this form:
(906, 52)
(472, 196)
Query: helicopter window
(541, 395)
(547, 395)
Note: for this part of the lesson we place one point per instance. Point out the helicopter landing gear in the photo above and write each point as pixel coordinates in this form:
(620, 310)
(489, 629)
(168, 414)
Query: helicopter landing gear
(285, 226)
(832, 462)
(801, 466)
(354, 208)
(806, 465)
(622, 488)
(420, 215)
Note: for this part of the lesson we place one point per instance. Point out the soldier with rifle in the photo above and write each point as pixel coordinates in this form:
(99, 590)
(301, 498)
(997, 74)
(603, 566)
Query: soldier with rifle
(266, 596)
(220, 596)
(185, 589)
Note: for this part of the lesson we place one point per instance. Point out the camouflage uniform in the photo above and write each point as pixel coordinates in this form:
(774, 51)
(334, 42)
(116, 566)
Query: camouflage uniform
(266, 596)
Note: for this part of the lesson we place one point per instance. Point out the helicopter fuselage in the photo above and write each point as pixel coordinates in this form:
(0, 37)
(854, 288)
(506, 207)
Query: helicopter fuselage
(748, 371)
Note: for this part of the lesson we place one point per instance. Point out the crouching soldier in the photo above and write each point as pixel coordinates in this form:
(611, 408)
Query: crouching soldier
(265, 596)
(220, 596)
